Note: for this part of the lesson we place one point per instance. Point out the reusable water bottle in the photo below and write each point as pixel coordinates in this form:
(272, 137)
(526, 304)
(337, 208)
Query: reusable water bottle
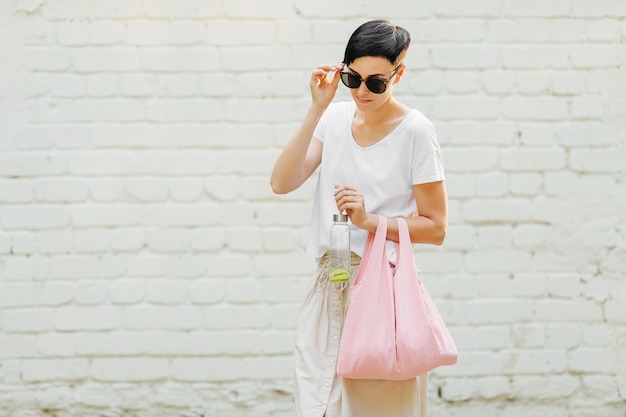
(339, 250)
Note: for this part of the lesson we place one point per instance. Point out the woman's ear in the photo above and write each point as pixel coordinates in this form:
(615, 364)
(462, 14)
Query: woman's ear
(399, 74)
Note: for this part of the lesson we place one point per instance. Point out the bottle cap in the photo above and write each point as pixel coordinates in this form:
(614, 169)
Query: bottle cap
(340, 217)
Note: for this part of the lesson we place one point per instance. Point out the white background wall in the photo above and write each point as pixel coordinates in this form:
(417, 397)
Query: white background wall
(146, 268)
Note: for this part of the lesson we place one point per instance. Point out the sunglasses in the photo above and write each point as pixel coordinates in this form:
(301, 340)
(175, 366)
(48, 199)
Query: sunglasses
(375, 84)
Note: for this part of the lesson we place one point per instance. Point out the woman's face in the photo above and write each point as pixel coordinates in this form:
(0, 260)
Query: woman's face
(375, 67)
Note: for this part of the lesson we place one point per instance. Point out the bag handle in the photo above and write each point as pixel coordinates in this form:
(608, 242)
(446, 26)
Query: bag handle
(375, 248)
(404, 248)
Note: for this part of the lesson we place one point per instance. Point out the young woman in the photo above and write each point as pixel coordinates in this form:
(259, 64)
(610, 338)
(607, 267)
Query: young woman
(376, 157)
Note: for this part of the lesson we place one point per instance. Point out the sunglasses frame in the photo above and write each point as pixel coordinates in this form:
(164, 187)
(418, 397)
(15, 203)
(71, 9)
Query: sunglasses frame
(384, 81)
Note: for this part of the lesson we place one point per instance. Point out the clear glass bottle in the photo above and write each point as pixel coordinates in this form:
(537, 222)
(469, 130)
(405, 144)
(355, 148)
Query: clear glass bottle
(339, 249)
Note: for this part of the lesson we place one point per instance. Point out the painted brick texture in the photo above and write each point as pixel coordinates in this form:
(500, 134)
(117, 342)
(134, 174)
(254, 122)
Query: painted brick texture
(146, 268)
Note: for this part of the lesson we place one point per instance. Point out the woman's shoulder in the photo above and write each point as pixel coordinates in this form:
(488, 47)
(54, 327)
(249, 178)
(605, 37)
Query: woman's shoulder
(417, 120)
(334, 119)
(341, 108)
(420, 131)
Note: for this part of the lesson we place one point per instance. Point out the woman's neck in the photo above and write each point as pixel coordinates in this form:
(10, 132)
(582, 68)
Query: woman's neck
(388, 111)
(368, 128)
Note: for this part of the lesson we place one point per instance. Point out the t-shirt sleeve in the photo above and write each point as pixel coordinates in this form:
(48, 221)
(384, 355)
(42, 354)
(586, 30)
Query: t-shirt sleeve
(427, 159)
(320, 129)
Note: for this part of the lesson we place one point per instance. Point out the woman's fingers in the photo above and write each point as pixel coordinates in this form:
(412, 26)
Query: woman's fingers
(331, 67)
(324, 82)
(326, 70)
(348, 198)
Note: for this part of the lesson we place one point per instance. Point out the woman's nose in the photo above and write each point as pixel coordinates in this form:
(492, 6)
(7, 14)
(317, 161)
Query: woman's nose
(363, 89)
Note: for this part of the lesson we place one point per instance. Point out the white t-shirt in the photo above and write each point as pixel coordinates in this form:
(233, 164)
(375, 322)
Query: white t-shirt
(384, 172)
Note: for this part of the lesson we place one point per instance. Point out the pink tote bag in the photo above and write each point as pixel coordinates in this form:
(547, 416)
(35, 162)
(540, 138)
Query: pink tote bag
(392, 329)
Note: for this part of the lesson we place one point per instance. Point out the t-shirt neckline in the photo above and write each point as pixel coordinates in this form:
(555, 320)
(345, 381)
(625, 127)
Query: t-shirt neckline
(383, 139)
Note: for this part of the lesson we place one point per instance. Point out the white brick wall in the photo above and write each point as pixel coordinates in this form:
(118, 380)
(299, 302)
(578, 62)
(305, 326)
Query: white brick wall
(146, 269)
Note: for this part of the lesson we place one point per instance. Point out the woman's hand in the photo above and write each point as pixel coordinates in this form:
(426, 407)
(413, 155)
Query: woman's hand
(322, 89)
(352, 201)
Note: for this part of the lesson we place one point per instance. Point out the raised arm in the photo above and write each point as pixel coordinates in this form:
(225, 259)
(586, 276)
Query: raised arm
(302, 155)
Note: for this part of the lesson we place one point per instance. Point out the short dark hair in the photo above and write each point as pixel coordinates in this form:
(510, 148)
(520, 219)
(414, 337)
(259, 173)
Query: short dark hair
(378, 38)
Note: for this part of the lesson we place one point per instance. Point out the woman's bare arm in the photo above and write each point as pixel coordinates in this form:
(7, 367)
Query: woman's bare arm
(300, 157)
(302, 154)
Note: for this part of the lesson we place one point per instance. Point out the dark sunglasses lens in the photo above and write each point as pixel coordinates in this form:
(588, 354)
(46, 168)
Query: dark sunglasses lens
(350, 80)
(376, 86)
